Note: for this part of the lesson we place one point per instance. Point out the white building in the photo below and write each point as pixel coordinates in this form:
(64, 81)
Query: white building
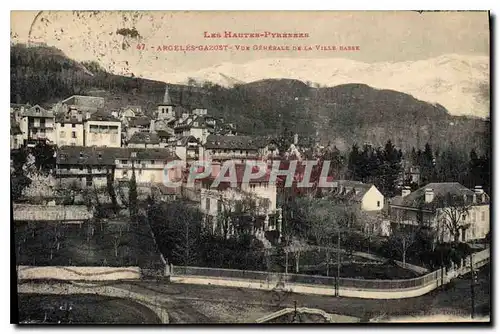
(102, 130)
(366, 194)
(148, 164)
(37, 124)
(69, 130)
(256, 197)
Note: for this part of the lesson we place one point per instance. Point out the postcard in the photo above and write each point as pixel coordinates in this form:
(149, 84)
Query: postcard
(270, 167)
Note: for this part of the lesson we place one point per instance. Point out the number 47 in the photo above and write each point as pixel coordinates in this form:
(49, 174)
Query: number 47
(141, 46)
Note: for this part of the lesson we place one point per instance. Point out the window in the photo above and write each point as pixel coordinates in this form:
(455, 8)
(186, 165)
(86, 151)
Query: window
(81, 155)
(252, 186)
(37, 110)
(378, 204)
(483, 216)
(133, 154)
(207, 205)
(99, 155)
(139, 171)
(62, 125)
(219, 206)
(152, 162)
(124, 173)
(62, 134)
(73, 125)
(124, 162)
(73, 134)
(42, 130)
(81, 167)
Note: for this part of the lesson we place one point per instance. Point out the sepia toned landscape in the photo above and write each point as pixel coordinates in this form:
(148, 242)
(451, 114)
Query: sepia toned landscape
(237, 172)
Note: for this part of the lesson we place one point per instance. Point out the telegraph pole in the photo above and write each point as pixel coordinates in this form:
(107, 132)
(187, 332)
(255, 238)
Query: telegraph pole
(337, 281)
(472, 283)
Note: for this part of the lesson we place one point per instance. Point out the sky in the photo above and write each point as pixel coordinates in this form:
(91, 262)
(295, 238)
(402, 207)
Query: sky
(381, 36)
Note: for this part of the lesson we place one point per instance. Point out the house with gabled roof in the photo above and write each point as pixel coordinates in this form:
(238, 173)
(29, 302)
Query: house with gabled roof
(144, 140)
(366, 195)
(94, 166)
(453, 211)
(37, 124)
(239, 148)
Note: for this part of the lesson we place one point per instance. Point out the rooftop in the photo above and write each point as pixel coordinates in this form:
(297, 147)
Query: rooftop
(232, 142)
(37, 111)
(81, 155)
(445, 194)
(144, 138)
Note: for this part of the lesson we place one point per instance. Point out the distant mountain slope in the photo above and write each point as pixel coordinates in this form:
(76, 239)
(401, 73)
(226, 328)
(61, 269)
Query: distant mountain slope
(458, 82)
(343, 115)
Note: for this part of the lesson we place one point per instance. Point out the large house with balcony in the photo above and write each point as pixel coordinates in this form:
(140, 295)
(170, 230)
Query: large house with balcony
(94, 166)
(237, 148)
(451, 210)
(84, 166)
(37, 124)
(148, 165)
(102, 130)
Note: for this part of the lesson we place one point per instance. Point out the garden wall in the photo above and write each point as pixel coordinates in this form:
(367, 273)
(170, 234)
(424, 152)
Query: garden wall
(72, 273)
(30, 212)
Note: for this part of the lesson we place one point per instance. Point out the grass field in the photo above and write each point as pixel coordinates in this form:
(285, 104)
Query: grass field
(117, 243)
(313, 262)
(85, 309)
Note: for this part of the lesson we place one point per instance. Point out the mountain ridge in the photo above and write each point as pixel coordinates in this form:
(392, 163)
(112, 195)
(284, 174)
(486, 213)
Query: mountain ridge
(342, 115)
(458, 82)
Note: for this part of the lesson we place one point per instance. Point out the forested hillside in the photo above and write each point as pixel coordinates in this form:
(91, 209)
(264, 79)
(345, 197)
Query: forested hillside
(342, 115)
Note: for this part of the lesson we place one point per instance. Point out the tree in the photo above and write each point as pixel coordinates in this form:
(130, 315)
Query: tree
(111, 192)
(427, 165)
(390, 169)
(401, 240)
(453, 211)
(353, 163)
(238, 212)
(177, 228)
(41, 187)
(45, 159)
(132, 196)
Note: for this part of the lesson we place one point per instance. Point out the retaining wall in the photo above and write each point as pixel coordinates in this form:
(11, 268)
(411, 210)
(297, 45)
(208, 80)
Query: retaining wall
(73, 273)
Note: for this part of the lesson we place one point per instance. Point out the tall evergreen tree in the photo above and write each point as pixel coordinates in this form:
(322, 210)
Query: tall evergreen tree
(132, 195)
(390, 170)
(427, 165)
(353, 163)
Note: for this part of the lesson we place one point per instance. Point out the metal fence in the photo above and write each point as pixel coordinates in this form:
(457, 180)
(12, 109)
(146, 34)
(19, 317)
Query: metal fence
(308, 279)
(438, 277)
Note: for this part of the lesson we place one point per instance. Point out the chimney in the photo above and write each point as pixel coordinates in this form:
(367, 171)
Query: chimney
(429, 195)
(152, 126)
(406, 191)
